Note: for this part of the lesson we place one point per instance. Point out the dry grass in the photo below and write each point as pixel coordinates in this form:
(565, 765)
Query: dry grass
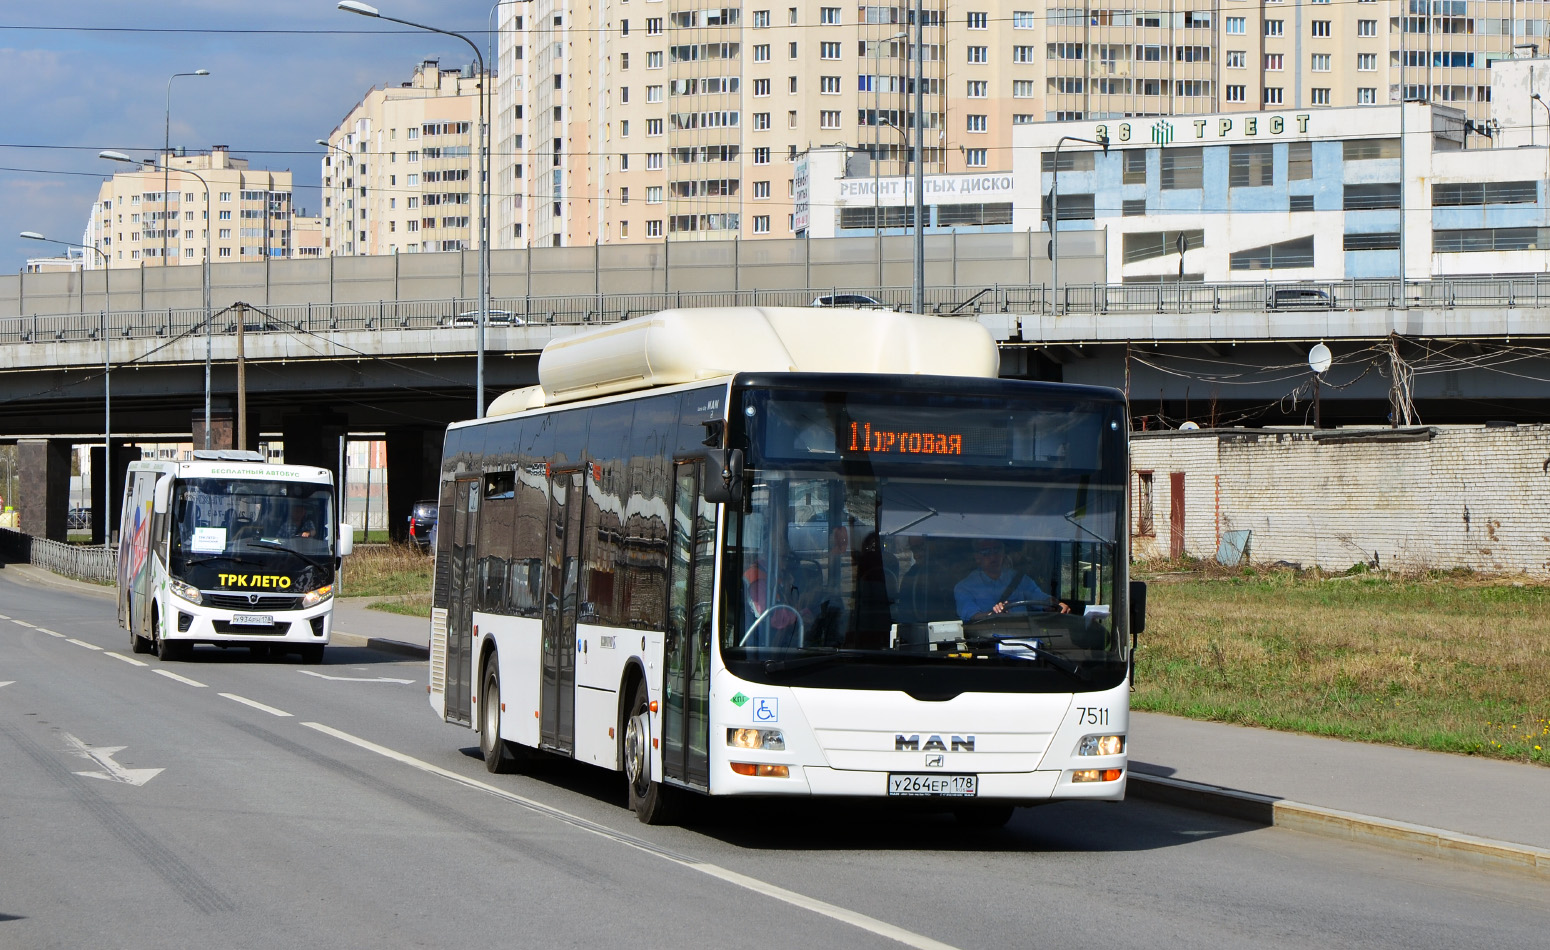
(1452, 662)
(383, 570)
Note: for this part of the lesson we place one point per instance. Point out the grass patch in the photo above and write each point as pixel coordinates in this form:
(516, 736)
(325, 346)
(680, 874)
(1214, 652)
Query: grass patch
(1447, 661)
(385, 571)
(409, 605)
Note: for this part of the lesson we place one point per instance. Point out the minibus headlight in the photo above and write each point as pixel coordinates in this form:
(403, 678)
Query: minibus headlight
(314, 597)
(1101, 745)
(756, 739)
(188, 592)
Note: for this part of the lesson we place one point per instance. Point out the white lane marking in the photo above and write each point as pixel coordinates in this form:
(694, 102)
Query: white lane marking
(824, 908)
(81, 643)
(181, 679)
(127, 659)
(112, 771)
(256, 705)
(4, 617)
(6, 682)
(53, 634)
(357, 679)
(23, 623)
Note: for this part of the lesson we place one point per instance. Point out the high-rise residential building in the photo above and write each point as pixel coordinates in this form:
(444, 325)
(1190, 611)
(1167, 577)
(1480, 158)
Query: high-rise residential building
(401, 169)
(246, 218)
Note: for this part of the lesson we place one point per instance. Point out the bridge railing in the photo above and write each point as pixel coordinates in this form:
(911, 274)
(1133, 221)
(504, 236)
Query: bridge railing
(87, 562)
(586, 309)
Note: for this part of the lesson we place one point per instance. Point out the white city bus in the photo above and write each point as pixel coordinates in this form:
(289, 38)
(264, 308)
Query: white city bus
(749, 552)
(230, 551)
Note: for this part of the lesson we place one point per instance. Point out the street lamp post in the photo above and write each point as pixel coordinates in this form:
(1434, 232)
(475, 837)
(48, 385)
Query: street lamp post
(166, 148)
(205, 275)
(1540, 99)
(482, 225)
(878, 123)
(920, 174)
(1054, 213)
(107, 378)
(346, 170)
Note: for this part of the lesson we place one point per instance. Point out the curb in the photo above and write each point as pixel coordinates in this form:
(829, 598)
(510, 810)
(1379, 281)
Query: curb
(377, 643)
(1347, 826)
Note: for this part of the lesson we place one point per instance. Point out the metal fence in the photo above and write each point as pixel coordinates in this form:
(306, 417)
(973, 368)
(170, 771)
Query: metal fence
(87, 562)
(588, 309)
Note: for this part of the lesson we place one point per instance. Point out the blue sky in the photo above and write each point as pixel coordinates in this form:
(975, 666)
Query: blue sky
(86, 75)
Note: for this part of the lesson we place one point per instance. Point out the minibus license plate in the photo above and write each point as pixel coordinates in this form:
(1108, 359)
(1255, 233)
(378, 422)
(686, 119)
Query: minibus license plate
(252, 620)
(955, 786)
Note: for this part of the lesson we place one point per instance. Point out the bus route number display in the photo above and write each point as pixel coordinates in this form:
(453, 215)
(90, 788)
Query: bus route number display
(866, 440)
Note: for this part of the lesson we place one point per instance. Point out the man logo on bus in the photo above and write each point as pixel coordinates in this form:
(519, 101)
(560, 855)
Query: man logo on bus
(903, 743)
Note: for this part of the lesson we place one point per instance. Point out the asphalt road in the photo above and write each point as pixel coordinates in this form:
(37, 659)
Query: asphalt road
(305, 806)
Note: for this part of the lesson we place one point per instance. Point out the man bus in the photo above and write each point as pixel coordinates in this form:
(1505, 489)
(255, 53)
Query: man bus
(717, 550)
(230, 551)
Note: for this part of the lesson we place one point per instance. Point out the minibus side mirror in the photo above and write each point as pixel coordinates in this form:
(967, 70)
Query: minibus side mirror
(724, 476)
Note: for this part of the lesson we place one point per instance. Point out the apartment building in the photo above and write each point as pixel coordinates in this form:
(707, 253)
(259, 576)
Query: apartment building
(399, 175)
(148, 218)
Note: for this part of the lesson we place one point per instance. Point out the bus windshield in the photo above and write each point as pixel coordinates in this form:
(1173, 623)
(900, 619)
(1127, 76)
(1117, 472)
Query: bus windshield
(225, 532)
(887, 536)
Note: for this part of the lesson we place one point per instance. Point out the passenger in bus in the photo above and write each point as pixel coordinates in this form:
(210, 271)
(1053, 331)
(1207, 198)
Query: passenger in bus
(924, 595)
(994, 583)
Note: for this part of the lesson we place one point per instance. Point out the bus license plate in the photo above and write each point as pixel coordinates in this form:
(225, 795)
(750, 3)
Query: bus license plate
(252, 620)
(952, 786)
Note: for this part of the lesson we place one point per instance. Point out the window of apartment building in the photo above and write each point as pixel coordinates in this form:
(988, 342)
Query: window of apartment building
(1025, 20)
(624, 94)
(1371, 241)
(411, 157)
(624, 128)
(1133, 207)
(653, 161)
(791, 50)
(761, 19)
(1273, 62)
(1181, 168)
(791, 84)
(1319, 96)
(654, 26)
(1273, 95)
(761, 53)
(1135, 167)
(791, 15)
(225, 234)
(1250, 166)
(624, 27)
(761, 189)
(1371, 196)
(1299, 202)
(624, 196)
(1366, 96)
(1299, 161)
(829, 15)
(1023, 54)
(1066, 51)
(791, 120)
(977, 123)
(974, 157)
(978, 21)
(1462, 194)
(1069, 84)
(761, 156)
(829, 50)
(977, 89)
(1275, 27)
(1294, 253)
(224, 252)
(225, 196)
(1320, 28)
(412, 133)
(761, 88)
(653, 194)
(653, 126)
(761, 224)
(1024, 118)
(761, 121)
(653, 229)
(653, 93)
(1321, 62)
(829, 85)
(975, 54)
(1366, 27)
(1192, 88)
(1236, 59)
(1236, 24)
(654, 61)
(225, 215)
(828, 119)
(1022, 88)
(1366, 62)
(1150, 54)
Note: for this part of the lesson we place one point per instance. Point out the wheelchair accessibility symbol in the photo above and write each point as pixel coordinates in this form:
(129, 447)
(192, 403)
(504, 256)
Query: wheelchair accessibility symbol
(765, 710)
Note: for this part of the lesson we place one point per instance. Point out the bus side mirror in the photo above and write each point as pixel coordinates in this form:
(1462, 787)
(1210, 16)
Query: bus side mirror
(346, 539)
(1137, 607)
(724, 476)
(162, 499)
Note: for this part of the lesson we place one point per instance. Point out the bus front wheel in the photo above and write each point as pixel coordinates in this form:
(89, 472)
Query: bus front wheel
(651, 802)
(499, 755)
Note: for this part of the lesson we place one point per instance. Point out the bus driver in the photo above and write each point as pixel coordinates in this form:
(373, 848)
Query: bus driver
(994, 583)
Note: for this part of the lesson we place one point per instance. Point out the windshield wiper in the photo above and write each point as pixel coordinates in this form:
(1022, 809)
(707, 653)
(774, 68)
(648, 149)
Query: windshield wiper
(189, 559)
(830, 654)
(265, 542)
(1029, 645)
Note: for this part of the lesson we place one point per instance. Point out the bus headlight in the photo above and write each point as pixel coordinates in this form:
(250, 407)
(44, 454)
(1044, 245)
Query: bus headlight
(314, 597)
(1101, 745)
(188, 592)
(756, 739)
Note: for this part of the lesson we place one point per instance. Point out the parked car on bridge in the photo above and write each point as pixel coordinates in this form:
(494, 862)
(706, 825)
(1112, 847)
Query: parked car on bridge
(1299, 298)
(847, 300)
(493, 318)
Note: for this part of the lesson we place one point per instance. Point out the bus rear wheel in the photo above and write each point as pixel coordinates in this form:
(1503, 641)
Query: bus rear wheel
(500, 756)
(652, 803)
(137, 643)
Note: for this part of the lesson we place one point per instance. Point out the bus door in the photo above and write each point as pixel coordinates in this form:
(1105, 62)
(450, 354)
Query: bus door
(562, 570)
(686, 679)
(460, 609)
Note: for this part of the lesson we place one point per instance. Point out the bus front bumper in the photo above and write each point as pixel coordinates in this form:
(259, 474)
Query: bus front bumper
(193, 624)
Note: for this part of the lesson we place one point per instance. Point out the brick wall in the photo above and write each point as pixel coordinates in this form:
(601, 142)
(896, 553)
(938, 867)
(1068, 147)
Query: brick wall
(1408, 498)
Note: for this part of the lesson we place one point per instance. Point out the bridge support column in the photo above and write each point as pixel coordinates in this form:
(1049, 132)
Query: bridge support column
(414, 467)
(223, 427)
(43, 487)
(107, 492)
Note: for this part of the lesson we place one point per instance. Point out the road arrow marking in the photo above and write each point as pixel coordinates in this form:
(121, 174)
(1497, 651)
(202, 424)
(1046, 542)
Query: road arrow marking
(112, 771)
(7, 682)
(256, 705)
(357, 679)
(181, 679)
(81, 643)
